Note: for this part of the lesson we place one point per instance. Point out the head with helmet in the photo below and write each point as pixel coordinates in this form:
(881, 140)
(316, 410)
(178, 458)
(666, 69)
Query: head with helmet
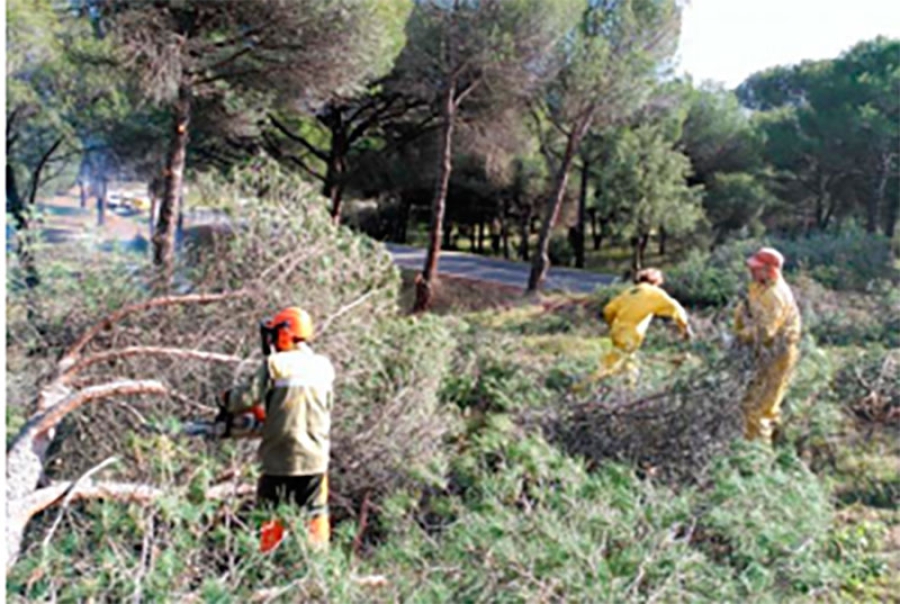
(653, 276)
(765, 265)
(286, 329)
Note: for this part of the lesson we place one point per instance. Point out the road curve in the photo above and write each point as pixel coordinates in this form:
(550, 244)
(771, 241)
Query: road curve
(495, 270)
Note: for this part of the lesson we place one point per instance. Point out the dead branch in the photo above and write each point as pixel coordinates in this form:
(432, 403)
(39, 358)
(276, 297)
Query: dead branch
(74, 351)
(25, 458)
(343, 310)
(70, 495)
(179, 353)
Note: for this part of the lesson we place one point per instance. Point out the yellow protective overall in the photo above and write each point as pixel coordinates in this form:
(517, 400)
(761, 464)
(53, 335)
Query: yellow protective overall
(769, 321)
(629, 315)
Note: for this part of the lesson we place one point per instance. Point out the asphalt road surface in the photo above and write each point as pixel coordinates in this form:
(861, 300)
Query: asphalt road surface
(495, 270)
(66, 220)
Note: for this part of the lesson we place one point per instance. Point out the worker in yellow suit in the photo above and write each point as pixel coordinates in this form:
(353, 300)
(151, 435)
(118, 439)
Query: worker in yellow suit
(629, 315)
(767, 320)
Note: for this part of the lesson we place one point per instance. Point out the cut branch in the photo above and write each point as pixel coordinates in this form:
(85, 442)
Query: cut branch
(70, 357)
(122, 353)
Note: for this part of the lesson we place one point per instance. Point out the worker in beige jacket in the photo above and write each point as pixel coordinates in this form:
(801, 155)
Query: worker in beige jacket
(288, 404)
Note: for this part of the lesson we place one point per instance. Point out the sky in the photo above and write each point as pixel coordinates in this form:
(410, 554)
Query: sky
(728, 40)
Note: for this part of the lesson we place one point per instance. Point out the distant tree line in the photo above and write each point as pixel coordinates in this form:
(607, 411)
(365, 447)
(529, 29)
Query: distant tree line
(527, 126)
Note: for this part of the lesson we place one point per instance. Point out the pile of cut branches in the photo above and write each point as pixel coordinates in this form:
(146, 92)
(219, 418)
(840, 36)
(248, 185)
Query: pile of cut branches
(670, 433)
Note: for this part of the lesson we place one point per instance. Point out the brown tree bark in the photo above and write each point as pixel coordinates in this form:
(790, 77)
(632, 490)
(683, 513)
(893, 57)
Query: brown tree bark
(639, 249)
(424, 292)
(102, 200)
(526, 231)
(164, 237)
(541, 261)
(337, 164)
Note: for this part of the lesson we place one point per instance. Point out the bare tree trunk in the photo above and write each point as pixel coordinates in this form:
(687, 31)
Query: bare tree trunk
(82, 193)
(334, 176)
(639, 248)
(164, 237)
(580, 227)
(876, 200)
(424, 292)
(38, 170)
(541, 261)
(663, 235)
(101, 200)
(154, 210)
(15, 207)
(892, 213)
(523, 243)
(504, 228)
(480, 232)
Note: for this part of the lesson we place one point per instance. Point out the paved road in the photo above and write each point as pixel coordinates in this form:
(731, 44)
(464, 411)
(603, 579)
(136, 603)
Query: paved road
(66, 221)
(495, 270)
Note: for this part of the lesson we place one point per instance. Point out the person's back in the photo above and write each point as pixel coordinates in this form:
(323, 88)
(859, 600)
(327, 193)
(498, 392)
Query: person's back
(634, 309)
(295, 436)
(629, 315)
(291, 394)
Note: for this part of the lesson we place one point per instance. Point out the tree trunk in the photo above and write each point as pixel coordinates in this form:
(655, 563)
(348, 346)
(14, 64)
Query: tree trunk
(14, 203)
(526, 232)
(164, 237)
(639, 248)
(337, 163)
(892, 213)
(447, 236)
(504, 228)
(541, 261)
(424, 292)
(876, 201)
(402, 220)
(154, 210)
(663, 236)
(480, 228)
(101, 201)
(82, 194)
(15, 207)
(580, 227)
(596, 236)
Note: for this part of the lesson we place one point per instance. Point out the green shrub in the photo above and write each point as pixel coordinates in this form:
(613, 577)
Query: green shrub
(849, 259)
(560, 251)
(705, 279)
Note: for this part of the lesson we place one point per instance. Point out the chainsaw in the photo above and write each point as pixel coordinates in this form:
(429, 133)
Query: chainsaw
(226, 424)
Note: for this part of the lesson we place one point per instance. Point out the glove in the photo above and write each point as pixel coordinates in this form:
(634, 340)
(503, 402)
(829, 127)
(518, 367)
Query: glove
(688, 333)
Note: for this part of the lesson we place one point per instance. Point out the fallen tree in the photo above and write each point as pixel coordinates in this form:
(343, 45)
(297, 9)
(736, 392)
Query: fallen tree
(111, 372)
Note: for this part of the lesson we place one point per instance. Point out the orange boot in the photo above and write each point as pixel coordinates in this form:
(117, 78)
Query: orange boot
(318, 530)
(271, 534)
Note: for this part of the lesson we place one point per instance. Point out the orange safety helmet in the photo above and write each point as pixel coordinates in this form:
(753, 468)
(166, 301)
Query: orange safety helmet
(291, 325)
(766, 257)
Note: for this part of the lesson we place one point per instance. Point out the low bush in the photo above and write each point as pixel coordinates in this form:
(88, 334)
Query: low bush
(849, 259)
(715, 279)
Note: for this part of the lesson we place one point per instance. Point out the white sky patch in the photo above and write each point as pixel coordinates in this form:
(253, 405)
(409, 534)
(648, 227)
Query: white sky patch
(728, 40)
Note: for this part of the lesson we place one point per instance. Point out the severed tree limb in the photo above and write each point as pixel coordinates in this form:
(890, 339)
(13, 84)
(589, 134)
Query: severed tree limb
(25, 457)
(343, 310)
(179, 353)
(71, 494)
(74, 351)
(20, 512)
